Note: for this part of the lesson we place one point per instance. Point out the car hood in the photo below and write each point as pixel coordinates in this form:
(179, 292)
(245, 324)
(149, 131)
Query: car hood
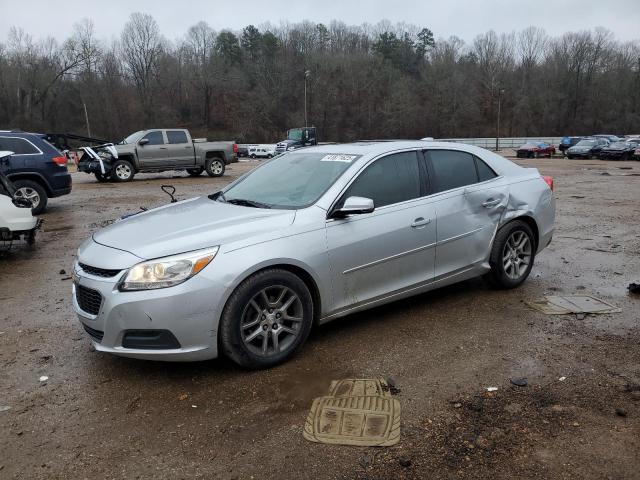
(191, 225)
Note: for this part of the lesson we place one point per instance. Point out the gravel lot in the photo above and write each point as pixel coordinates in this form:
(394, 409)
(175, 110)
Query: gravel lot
(99, 416)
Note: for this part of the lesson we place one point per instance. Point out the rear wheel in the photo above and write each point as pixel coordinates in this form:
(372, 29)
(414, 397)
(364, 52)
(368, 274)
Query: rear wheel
(214, 167)
(34, 192)
(267, 318)
(512, 255)
(195, 172)
(122, 171)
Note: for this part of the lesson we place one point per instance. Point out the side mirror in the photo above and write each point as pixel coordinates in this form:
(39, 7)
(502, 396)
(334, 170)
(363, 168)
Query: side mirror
(354, 206)
(143, 142)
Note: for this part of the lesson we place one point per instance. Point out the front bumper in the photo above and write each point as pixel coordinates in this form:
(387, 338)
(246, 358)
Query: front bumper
(189, 311)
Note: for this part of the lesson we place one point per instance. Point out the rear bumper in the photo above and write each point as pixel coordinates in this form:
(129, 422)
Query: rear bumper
(60, 184)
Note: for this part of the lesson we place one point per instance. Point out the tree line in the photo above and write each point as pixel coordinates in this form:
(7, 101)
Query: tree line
(368, 81)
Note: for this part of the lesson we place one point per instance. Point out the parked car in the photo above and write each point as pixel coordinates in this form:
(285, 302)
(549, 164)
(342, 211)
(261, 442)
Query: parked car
(587, 148)
(262, 151)
(158, 150)
(611, 138)
(37, 170)
(243, 149)
(307, 237)
(623, 150)
(568, 142)
(16, 219)
(535, 150)
(636, 153)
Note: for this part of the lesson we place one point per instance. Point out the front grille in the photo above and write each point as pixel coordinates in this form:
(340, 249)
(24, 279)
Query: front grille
(93, 333)
(88, 299)
(98, 272)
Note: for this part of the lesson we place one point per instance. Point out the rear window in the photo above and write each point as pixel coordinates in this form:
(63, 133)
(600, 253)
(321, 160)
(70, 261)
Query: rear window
(18, 146)
(452, 169)
(176, 136)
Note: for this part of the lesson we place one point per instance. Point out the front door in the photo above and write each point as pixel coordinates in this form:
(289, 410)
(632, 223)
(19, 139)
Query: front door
(153, 154)
(391, 249)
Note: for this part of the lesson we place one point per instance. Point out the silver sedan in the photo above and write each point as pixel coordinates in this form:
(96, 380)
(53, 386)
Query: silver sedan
(308, 237)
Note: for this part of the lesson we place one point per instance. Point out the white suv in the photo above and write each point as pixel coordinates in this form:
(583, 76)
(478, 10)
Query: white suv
(262, 151)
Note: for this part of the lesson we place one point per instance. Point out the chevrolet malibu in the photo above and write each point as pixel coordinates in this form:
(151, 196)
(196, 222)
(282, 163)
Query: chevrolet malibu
(308, 237)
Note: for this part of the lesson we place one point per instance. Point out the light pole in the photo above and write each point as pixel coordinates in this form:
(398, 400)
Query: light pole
(307, 73)
(500, 93)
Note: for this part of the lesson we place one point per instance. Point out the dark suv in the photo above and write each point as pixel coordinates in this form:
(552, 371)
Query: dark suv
(38, 171)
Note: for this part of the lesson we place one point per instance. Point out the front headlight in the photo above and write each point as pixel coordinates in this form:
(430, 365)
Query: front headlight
(167, 271)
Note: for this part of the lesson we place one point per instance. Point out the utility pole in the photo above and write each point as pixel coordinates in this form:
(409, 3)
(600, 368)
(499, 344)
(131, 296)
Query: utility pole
(86, 118)
(307, 73)
(500, 93)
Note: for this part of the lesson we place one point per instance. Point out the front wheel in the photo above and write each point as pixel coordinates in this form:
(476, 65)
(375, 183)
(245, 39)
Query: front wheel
(102, 177)
(215, 167)
(122, 171)
(512, 255)
(267, 318)
(195, 172)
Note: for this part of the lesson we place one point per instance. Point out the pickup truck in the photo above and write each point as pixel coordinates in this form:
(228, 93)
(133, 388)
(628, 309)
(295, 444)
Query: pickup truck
(159, 150)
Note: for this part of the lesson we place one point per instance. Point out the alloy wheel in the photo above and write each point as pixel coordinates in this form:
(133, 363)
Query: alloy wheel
(516, 255)
(123, 171)
(271, 321)
(30, 194)
(216, 167)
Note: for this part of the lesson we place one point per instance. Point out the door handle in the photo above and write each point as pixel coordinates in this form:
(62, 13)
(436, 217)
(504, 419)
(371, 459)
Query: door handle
(163, 148)
(420, 222)
(491, 202)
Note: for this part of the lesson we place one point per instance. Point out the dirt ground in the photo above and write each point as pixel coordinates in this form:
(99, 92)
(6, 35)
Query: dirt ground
(99, 416)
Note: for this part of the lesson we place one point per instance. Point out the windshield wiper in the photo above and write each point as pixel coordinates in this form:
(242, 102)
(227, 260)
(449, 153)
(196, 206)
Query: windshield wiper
(247, 203)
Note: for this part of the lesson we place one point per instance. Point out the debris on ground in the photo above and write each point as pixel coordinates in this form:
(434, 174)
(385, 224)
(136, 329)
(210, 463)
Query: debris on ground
(492, 389)
(356, 412)
(566, 304)
(4, 408)
(63, 272)
(183, 396)
(634, 288)
(44, 378)
(519, 382)
(562, 379)
(621, 412)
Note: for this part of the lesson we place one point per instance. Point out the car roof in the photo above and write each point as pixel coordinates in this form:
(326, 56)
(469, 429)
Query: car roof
(371, 149)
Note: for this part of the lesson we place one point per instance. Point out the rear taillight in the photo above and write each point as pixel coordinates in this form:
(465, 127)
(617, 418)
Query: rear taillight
(235, 148)
(62, 161)
(548, 180)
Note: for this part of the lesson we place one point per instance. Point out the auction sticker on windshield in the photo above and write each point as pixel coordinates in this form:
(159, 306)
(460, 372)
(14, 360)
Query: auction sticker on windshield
(338, 158)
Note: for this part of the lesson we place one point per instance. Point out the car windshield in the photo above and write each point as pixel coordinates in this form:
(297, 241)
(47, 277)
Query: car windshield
(529, 145)
(619, 145)
(134, 137)
(586, 143)
(290, 181)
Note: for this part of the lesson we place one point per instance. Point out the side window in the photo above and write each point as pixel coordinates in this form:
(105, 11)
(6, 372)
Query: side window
(155, 138)
(176, 136)
(452, 169)
(392, 179)
(19, 146)
(485, 172)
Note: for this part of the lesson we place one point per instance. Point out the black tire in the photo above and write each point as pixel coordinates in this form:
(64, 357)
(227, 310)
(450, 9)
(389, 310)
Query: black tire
(195, 172)
(570, 157)
(498, 276)
(122, 171)
(253, 155)
(232, 339)
(34, 192)
(215, 167)
(102, 178)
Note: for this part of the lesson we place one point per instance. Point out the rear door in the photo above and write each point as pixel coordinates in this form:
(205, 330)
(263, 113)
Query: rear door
(470, 202)
(391, 249)
(180, 150)
(154, 153)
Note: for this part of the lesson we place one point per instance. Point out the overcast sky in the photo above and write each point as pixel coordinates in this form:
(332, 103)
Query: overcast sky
(464, 18)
